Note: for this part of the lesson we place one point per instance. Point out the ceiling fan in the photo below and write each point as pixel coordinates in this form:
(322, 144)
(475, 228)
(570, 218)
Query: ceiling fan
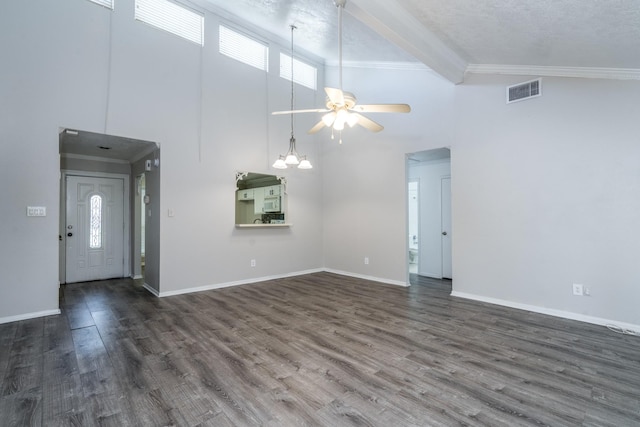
(341, 107)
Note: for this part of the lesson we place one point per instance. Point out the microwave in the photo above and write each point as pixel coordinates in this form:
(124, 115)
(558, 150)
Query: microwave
(271, 204)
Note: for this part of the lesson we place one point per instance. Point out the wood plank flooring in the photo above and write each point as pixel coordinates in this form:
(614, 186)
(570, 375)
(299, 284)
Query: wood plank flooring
(313, 350)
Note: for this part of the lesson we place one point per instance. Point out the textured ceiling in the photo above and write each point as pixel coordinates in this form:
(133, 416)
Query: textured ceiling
(563, 33)
(317, 28)
(575, 33)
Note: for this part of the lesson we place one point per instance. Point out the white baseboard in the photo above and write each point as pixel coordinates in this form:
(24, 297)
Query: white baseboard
(551, 312)
(265, 278)
(27, 316)
(150, 289)
(365, 277)
(228, 284)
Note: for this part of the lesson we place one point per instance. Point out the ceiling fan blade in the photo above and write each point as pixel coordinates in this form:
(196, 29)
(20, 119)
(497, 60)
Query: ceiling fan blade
(367, 123)
(335, 95)
(382, 108)
(317, 127)
(312, 110)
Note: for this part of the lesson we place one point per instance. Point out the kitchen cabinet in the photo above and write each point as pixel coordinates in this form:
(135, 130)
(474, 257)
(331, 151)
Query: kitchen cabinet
(245, 194)
(272, 191)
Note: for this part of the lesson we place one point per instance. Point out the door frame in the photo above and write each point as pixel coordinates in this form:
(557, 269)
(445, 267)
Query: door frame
(126, 265)
(138, 211)
(442, 251)
(423, 157)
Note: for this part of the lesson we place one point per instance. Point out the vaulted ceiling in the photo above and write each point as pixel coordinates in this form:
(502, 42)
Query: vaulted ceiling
(451, 35)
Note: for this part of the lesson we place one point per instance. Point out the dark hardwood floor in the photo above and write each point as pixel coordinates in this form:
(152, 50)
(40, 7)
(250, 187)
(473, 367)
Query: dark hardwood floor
(316, 350)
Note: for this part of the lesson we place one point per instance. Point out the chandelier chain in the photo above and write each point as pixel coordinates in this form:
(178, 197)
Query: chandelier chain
(293, 27)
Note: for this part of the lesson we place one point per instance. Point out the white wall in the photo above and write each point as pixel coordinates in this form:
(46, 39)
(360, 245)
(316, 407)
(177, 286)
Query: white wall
(75, 64)
(546, 194)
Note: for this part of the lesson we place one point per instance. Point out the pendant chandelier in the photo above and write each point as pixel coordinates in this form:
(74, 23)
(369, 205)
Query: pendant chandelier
(292, 158)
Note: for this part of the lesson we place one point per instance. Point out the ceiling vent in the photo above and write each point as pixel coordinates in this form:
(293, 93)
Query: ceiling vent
(522, 91)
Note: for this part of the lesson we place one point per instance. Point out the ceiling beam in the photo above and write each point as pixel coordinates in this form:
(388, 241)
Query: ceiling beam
(400, 27)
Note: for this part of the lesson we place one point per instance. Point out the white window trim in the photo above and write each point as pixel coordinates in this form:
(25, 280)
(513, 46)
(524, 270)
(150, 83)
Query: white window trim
(105, 3)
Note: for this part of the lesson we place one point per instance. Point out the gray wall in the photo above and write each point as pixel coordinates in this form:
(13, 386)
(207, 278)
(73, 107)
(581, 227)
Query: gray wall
(546, 194)
(365, 180)
(75, 64)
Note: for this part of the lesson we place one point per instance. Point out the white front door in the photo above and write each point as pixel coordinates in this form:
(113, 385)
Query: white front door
(445, 209)
(94, 228)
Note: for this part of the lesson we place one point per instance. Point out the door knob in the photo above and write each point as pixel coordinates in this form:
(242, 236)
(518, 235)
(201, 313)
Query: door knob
(69, 234)
(444, 233)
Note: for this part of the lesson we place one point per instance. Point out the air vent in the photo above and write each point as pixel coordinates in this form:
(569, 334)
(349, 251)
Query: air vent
(522, 91)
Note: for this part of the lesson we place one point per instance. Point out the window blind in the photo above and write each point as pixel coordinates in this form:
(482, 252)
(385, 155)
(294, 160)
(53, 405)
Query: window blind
(171, 17)
(303, 73)
(244, 49)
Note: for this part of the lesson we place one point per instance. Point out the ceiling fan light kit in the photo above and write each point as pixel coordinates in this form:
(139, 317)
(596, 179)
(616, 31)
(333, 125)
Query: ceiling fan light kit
(341, 106)
(292, 158)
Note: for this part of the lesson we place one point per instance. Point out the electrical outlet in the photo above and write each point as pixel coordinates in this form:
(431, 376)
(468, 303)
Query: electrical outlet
(253, 263)
(578, 289)
(366, 260)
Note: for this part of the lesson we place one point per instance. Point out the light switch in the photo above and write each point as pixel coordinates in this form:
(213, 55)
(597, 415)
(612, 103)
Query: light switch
(36, 211)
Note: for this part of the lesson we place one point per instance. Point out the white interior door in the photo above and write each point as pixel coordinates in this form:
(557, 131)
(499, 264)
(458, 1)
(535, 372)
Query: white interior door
(447, 271)
(94, 230)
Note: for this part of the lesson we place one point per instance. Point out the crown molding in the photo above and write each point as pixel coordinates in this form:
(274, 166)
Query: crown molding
(400, 27)
(381, 65)
(550, 71)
